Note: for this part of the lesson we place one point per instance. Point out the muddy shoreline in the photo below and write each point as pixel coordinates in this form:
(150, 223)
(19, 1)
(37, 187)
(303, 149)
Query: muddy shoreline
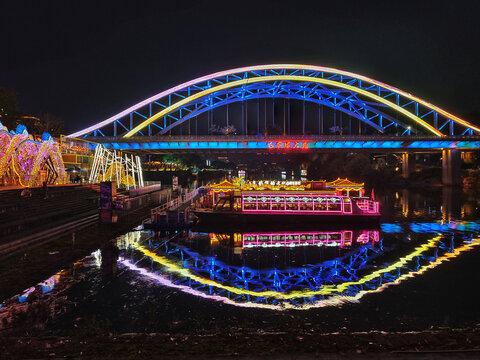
(257, 343)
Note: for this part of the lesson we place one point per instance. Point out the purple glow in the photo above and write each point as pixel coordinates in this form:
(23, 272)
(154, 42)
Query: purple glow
(305, 204)
(291, 239)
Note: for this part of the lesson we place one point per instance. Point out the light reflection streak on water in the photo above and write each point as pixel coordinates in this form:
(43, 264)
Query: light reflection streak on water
(49, 284)
(335, 300)
(431, 227)
(337, 294)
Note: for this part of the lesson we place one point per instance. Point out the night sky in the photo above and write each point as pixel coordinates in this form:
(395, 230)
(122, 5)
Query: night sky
(85, 61)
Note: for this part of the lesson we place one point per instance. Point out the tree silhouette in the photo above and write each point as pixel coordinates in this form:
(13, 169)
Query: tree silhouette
(9, 111)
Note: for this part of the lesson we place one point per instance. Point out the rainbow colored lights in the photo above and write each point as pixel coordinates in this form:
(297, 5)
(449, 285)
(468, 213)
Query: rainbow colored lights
(22, 159)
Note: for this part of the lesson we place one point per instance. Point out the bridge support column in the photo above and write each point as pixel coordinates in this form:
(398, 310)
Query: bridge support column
(408, 164)
(451, 160)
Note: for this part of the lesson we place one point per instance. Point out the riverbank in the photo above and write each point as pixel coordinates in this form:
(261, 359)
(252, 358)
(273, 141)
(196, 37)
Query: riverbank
(33, 265)
(432, 344)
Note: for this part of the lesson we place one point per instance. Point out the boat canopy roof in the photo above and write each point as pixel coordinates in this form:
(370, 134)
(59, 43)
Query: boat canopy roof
(240, 184)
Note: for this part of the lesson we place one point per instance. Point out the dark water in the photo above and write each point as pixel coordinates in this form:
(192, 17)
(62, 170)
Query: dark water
(419, 269)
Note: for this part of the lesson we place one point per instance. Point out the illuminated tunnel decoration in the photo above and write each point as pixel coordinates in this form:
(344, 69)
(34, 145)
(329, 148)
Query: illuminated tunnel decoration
(8, 145)
(31, 156)
(420, 261)
(26, 157)
(343, 97)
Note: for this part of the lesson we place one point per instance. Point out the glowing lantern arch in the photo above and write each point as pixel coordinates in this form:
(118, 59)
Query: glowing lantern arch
(27, 158)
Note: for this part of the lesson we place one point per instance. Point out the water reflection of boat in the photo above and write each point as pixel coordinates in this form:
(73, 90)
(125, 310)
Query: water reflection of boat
(305, 202)
(335, 238)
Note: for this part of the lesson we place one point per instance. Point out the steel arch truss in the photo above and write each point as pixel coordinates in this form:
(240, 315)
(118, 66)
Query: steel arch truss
(379, 105)
(345, 101)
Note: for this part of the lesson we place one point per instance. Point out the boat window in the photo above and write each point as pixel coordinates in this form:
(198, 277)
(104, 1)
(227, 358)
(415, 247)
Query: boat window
(278, 237)
(291, 238)
(320, 203)
(278, 203)
(306, 203)
(263, 238)
(250, 202)
(335, 237)
(263, 203)
(320, 236)
(292, 203)
(334, 204)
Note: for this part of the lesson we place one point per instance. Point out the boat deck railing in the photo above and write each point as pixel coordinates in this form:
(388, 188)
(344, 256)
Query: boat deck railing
(368, 206)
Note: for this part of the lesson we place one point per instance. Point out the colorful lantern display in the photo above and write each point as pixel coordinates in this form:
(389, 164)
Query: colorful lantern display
(24, 159)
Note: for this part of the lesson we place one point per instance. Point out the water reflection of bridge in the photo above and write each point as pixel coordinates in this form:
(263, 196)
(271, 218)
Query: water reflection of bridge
(344, 278)
(450, 205)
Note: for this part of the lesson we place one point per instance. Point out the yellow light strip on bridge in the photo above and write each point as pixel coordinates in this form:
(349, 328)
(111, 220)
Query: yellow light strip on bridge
(309, 79)
(173, 267)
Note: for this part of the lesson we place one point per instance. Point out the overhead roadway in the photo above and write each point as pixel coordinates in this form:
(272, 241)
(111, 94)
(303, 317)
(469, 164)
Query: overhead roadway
(293, 144)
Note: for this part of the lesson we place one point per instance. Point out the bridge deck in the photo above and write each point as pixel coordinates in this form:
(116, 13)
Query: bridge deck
(164, 144)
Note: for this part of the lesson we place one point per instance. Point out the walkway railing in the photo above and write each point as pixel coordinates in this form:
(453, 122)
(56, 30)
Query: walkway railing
(173, 204)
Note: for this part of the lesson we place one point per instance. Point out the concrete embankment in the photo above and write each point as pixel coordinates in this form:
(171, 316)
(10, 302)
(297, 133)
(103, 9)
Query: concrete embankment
(29, 259)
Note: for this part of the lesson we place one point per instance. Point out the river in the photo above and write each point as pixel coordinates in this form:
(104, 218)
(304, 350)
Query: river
(417, 270)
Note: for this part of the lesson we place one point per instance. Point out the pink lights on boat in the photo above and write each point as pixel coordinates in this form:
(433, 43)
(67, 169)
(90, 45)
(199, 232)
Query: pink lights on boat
(296, 202)
(294, 239)
(305, 203)
(368, 206)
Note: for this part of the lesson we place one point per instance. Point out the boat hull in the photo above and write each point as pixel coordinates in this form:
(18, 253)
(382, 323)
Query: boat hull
(207, 216)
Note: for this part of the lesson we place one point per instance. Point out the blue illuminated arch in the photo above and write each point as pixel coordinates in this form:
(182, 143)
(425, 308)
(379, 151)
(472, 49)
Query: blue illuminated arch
(377, 104)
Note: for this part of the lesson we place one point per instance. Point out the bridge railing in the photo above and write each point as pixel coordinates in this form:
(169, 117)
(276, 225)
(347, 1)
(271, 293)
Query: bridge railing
(325, 137)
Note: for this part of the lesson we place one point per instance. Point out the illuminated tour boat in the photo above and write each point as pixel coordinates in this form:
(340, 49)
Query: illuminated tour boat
(287, 201)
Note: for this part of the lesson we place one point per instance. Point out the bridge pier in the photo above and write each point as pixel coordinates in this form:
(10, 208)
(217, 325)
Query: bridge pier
(451, 160)
(408, 164)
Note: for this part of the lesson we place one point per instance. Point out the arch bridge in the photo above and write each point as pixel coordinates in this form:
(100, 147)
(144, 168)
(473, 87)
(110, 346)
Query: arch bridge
(357, 111)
